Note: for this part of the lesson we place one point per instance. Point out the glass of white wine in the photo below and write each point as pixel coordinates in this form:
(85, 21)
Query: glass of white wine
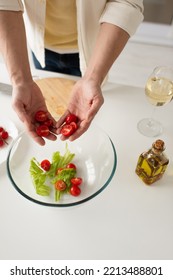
(159, 91)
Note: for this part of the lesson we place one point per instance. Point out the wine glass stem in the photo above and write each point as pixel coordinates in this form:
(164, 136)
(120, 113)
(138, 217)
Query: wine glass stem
(152, 117)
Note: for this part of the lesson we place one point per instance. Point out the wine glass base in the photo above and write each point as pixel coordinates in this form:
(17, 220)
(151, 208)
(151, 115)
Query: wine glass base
(150, 127)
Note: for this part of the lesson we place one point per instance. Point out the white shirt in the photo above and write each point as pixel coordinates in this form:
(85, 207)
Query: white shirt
(127, 14)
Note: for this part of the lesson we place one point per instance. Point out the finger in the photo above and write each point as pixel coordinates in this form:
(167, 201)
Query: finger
(39, 140)
(51, 118)
(51, 136)
(23, 117)
(20, 110)
(62, 119)
(31, 128)
(78, 133)
(94, 109)
(81, 129)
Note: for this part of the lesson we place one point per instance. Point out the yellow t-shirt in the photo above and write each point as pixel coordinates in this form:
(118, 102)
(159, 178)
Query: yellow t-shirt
(61, 26)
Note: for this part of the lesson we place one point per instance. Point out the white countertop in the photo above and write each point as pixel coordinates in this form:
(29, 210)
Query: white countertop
(128, 220)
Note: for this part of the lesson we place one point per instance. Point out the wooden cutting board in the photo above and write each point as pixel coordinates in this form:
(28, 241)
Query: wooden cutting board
(56, 92)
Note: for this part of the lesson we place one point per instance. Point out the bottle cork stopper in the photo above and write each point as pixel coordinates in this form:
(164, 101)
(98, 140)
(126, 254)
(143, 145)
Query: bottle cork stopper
(159, 145)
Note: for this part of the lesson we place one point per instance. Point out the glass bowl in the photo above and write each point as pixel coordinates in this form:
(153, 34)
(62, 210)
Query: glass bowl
(95, 158)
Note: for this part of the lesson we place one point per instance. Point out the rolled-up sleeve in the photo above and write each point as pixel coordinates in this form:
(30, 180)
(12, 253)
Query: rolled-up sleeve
(11, 5)
(126, 14)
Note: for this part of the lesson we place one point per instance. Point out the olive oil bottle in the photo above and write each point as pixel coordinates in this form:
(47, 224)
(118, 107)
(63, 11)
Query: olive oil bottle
(152, 164)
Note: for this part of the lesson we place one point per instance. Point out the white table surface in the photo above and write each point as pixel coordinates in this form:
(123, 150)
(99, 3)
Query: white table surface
(128, 220)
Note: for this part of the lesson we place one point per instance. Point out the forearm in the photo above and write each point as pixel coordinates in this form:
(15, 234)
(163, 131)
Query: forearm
(110, 42)
(14, 48)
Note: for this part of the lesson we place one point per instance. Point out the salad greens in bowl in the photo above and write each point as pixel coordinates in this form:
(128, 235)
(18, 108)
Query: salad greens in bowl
(62, 173)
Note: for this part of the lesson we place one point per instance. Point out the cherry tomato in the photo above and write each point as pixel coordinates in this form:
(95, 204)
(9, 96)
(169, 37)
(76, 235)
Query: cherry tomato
(71, 118)
(71, 165)
(74, 125)
(60, 185)
(1, 129)
(75, 190)
(41, 116)
(4, 134)
(45, 164)
(76, 181)
(1, 143)
(42, 130)
(67, 130)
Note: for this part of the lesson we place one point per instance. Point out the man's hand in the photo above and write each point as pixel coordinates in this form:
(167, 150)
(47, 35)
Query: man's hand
(27, 100)
(85, 102)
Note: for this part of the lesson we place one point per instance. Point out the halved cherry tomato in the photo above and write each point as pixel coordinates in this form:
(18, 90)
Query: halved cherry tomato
(67, 130)
(60, 185)
(1, 143)
(71, 118)
(4, 134)
(71, 165)
(75, 190)
(41, 116)
(42, 130)
(76, 181)
(74, 125)
(45, 164)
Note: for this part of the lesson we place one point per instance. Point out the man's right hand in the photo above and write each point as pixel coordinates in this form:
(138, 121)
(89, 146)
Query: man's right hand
(27, 99)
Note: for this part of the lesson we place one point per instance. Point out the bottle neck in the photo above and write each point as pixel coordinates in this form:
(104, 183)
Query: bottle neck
(156, 151)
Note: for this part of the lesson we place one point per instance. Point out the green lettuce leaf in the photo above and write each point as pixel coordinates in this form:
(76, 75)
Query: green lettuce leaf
(59, 161)
(39, 178)
(66, 175)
